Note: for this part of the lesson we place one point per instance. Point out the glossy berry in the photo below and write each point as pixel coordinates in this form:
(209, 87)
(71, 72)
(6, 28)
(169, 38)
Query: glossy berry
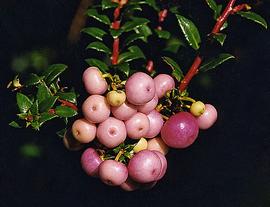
(93, 81)
(140, 88)
(137, 126)
(124, 112)
(90, 162)
(83, 130)
(156, 123)
(112, 172)
(144, 167)
(116, 98)
(163, 164)
(163, 84)
(208, 118)
(111, 132)
(197, 108)
(130, 185)
(149, 106)
(157, 144)
(180, 130)
(96, 109)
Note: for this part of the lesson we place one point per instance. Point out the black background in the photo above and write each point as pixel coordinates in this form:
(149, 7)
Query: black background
(229, 165)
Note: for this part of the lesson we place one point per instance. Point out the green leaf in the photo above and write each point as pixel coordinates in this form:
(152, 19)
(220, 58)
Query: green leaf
(64, 111)
(253, 17)
(218, 11)
(214, 62)
(14, 124)
(190, 31)
(30, 150)
(173, 45)
(134, 24)
(135, 49)
(151, 3)
(68, 96)
(34, 108)
(101, 18)
(23, 102)
(133, 37)
(124, 68)
(34, 124)
(135, 53)
(144, 30)
(163, 34)
(61, 133)
(98, 63)
(47, 103)
(46, 117)
(224, 26)
(43, 92)
(99, 46)
(115, 33)
(53, 72)
(213, 5)
(95, 32)
(134, 7)
(176, 70)
(108, 4)
(220, 37)
(33, 79)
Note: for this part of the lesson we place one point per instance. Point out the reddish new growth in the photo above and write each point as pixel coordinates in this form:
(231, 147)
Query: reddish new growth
(230, 9)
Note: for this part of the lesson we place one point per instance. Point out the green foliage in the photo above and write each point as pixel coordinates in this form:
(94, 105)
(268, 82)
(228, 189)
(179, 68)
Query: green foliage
(220, 38)
(216, 61)
(101, 18)
(99, 47)
(254, 17)
(176, 70)
(95, 32)
(98, 63)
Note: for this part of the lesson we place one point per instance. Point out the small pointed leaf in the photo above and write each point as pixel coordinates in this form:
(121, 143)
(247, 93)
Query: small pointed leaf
(33, 79)
(214, 62)
(124, 68)
(220, 37)
(34, 108)
(43, 92)
(108, 4)
(253, 17)
(134, 24)
(68, 96)
(176, 70)
(100, 47)
(95, 32)
(101, 18)
(23, 102)
(47, 104)
(65, 112)
(98, 63)
(190, 31)
(163, 34)
(14, 124)
(133, 37)
(46, 117)
(53, 72)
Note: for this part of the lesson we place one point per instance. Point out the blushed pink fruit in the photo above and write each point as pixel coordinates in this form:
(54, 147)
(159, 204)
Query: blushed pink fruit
(180, 130)
(163, 83)
(208, 118)
(112, 172)
(90, 162)
(163, 164)
(111, 132)
(70, 142)
(83, 130)
(124, 111)
(140, 88)
(149, 106)
(130, 185)
(157, 144)
(96, 109)
(137, 126)
(144, 167)
(156, 123)
(93, 81)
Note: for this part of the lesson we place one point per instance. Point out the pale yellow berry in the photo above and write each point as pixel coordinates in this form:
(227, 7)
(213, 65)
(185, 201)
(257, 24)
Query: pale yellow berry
(116, 98)
(197, 108)
(158, 144)
(141, 145)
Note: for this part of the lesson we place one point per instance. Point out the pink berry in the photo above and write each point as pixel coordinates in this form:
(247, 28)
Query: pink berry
(130, 185)
(96, 109)
(144, 167)
(124, 111)
(157, 144)
(111, 132)
(140, 88)
(84, 131)
(90, 162)
(163, 164)
(137, 126)
(93, 81)
(208, 118)
(180, 130)
(149, 106)
(163, 83)
(112, 172)
(156, 123)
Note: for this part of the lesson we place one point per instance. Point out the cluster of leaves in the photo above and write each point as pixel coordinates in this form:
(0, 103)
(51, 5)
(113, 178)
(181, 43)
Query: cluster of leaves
(40, 98)
(139, 28)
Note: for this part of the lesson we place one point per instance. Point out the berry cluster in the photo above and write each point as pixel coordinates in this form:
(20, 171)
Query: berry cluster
(130, 128)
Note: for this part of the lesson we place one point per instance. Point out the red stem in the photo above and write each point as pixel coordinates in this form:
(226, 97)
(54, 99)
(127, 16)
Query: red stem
(116, 25)
(68, 104)
(198, 60)
(115, 52)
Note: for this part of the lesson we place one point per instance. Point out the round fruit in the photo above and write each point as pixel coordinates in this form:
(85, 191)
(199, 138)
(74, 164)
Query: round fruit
(180, 130)
(111, 132)
(93, 81)
(112, 172)
(70, 142)
(156, 123)
(163, 164)
(149, 106)
(84, 131)
(116, 98)
(137, 126)
(140, 88)
(144, 167)
(208, 118)
(141, 145)
(90, 162)
(197, 108)
(163, 84)
(124, 112)
(96, 109)
(130, 185)
(158, 145)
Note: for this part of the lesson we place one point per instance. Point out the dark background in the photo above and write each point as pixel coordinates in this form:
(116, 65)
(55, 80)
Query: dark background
(229, 165)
